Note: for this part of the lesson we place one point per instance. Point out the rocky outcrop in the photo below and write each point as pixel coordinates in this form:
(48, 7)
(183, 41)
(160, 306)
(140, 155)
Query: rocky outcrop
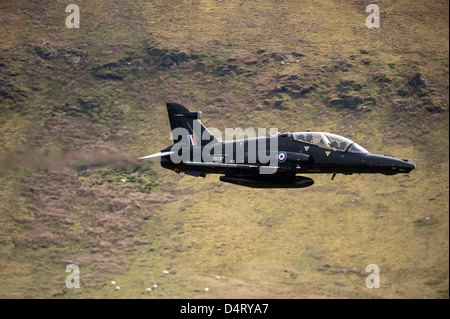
(163, 58)
(345, 102)
(417, 81)
(293, 86)
(115, 71)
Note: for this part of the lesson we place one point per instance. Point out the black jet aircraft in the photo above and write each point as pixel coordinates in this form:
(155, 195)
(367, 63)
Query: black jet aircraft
(239, 163)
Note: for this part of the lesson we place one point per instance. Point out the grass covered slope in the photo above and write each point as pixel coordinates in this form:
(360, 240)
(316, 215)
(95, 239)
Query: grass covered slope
(78, 106)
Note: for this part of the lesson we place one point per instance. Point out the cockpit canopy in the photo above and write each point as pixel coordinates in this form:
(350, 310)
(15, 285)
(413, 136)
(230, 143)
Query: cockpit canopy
(334, 141)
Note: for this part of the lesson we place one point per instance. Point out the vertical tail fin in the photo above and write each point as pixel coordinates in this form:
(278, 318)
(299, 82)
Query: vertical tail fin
(181, 117)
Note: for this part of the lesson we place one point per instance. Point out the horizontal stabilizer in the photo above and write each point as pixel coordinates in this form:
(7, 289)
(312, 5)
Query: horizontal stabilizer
(156, 155)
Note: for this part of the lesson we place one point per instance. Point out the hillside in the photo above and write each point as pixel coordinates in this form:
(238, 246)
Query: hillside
(79, 106)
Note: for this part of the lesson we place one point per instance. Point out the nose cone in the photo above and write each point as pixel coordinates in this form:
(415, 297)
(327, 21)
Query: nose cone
(402, 165)
(406, 166)
(389, 165)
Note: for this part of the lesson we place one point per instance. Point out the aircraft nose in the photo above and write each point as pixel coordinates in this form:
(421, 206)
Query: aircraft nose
(406, 166)
(411, 166)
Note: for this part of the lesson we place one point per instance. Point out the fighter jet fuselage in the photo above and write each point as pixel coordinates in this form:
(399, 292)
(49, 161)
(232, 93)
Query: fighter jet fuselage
(254, 162)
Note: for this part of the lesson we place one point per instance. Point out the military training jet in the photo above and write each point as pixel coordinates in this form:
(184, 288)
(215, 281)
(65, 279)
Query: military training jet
(266, 161)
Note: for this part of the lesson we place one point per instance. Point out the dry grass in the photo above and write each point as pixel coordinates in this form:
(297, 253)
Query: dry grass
(79, 106)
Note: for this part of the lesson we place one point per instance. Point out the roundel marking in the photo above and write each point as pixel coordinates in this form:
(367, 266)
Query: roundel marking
(281, 157)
